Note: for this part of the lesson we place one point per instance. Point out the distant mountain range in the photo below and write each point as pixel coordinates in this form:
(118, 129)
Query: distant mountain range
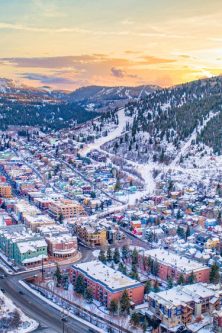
(51, 109)
(100, 98)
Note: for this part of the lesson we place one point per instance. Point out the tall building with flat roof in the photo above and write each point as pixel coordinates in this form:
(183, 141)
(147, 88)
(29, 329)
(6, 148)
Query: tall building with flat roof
(173, 265)
(108, 284)
(65, 208)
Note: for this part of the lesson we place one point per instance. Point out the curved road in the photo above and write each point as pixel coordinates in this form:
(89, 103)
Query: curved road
(48, 317)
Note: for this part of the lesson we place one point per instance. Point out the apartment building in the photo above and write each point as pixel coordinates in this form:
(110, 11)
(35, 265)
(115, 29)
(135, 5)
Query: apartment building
(91, 234)
(108, 284)
(66, 209)
(173, 265)
(182, 305)
(5, 190)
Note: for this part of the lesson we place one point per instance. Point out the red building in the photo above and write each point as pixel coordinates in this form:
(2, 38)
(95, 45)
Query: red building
(2, 179)
(63, 246)
(108, 284)
(172, 265)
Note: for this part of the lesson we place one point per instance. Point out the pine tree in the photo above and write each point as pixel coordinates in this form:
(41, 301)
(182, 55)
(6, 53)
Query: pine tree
(60, 218)
(170, 283)
(188, 233)
(135, 319)
(58, 275)
(102, 256)
(122, 268)
(215, 274)
(109, 254)
(180, 232)
(88, 295)
(156, 287)
(192, 278)
(117, 185)
(149, 263)
(145, 325)
(125, 252)
(125, 302)
(113, 306)
(80, 285)
(147, 288)
(135, 256)
(134, 274)
(181, 280)
(116, 256)
(155, 268)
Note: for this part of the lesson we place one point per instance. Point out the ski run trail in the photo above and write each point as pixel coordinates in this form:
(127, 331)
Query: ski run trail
(144, 169)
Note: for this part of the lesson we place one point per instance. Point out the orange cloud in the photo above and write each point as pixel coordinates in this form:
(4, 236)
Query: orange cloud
(152, 60)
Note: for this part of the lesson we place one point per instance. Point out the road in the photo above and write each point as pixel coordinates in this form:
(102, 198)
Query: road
(48, 317)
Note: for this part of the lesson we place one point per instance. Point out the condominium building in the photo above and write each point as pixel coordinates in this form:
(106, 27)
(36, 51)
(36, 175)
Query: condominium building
(66, 209)
(91, 234)
(5, 190)
(63, 246)
(182, 305)
(22, 245)
(173, 265)
(108, 284)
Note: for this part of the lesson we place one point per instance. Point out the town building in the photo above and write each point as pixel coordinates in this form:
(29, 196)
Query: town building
(62, 246)
(173, 265)
(91, 234)
(65, 209)
(5, 190)
(108, 284)
(183, 305)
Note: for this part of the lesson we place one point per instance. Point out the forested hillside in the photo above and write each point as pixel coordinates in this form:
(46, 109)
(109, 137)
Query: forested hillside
(165, 120)
(45, 115)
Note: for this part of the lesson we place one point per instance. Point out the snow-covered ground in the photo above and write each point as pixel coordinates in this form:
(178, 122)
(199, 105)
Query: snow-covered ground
(144, 169)
(123, 119)
(7, 308)
(193, 137)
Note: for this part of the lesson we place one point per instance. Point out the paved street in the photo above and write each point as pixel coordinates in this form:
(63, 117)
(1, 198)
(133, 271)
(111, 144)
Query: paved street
(48, 317)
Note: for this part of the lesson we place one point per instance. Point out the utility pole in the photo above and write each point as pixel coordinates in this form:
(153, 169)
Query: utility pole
(42, 269)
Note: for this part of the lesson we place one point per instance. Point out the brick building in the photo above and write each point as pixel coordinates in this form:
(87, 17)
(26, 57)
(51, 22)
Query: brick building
(66, 208)
(63, 246)
(108, 284)
(5, 190)
(173, 265)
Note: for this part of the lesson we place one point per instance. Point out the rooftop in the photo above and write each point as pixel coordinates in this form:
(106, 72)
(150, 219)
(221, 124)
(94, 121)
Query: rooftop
(182, 263)
(111, 279)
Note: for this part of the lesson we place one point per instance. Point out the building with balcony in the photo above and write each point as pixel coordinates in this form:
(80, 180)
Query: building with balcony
(182, 305)
(66, 209)
(107, 284)
(173, 265)
(5, 190)
(62, 246)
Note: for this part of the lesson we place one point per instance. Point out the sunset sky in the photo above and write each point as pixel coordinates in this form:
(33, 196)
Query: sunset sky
(66, 44)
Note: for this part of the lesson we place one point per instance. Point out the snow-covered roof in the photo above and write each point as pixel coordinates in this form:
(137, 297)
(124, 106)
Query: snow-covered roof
(168, 258)
(111, 279)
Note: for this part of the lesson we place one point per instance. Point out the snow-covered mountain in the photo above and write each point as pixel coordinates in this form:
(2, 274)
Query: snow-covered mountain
(101, 98)
(171, 124)
(11, 90)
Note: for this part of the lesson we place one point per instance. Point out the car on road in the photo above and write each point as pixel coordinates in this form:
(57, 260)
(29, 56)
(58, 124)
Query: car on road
(64, 319)
(2, 276)
(2, 290)
(21, 292)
